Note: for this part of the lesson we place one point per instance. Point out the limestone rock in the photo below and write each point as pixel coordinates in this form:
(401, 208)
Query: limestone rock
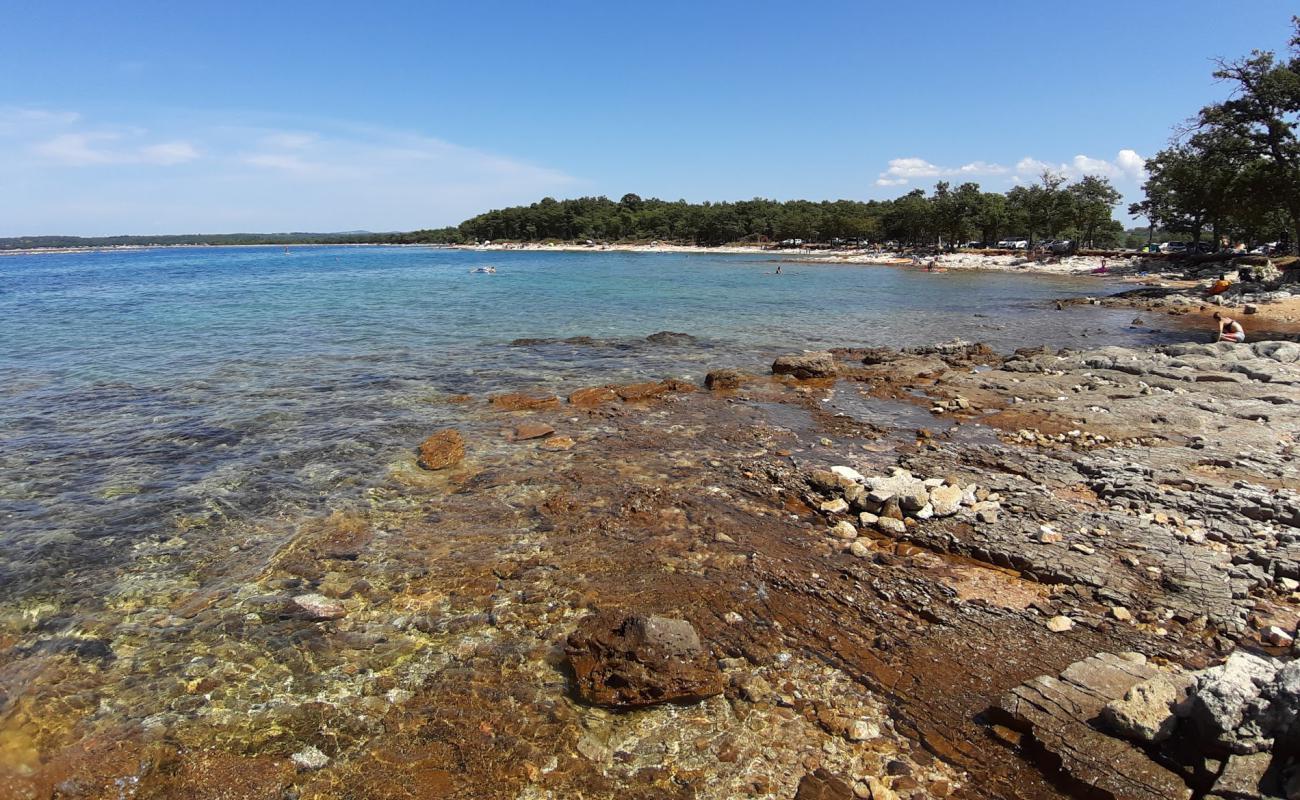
(443, 449)
(1146, 712)
(844, 530)
(1228, 708)
(806, 365)
(516, 401)
(946, 500)
(626, 660)
(556, 444)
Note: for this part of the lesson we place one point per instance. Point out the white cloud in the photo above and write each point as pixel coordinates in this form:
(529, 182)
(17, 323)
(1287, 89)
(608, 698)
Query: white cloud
(97, 148)
(903, 170)
(1128, 165)
(15, 120)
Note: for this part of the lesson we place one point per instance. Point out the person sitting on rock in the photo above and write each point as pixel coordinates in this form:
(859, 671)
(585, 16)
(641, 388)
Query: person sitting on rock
(1230, 330)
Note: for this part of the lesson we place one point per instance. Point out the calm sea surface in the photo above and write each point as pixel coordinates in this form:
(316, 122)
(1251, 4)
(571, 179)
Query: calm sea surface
(139, 390)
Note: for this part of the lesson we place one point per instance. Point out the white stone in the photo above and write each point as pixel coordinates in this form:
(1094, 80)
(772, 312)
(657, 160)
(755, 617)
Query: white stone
(860, 548)
(1060, 624)
(850, 473)
(309, 758)
(844, 530)
(861, 730)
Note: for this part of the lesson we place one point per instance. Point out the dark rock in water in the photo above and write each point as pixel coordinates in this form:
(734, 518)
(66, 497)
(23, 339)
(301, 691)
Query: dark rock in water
(822, 785)
(724, 379)
(670, 337)
(806, 365)
(651, 389)
(532, 430)
(879, 355)
(523, 402)
(443, 449)
(630, 661)
(592, 397)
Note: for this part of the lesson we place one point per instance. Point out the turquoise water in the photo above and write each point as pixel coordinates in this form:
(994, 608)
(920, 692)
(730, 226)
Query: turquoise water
(139, 388)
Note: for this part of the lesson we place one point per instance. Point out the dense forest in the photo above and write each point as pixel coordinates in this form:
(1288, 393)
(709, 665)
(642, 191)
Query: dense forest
(948, 215)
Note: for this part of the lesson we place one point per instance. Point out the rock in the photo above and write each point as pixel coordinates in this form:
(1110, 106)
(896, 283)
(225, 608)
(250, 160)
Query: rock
(822, 785)
(807, 365)
(1276, 636)
(849, 473)
(318, 607)
(861, 730)
(989, 516)
(309, 758)
(879, 791)
(867, 519)
(625, 660)
(1121, 614)
(1227, 708)
(913, 498)
(634, 392)
(1057, 712)
(835, 506)
(1250, 308)
(1248, 777)
(523, 402)
(891, 525)
(946, 500)
(592, 397)
(725, 379)
(557, 443)
(1060, 624)
(443, 449)
(532, 430)
(860, 548)
(844, 530)
(670, 337)
(1146, 712)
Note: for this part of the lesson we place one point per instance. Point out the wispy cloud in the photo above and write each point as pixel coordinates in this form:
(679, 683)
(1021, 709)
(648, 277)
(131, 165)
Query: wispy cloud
(242, 175)
(1127, 165)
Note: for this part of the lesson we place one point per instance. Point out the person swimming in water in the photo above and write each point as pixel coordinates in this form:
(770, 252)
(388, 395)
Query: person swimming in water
(778, 269)
(1230, 330)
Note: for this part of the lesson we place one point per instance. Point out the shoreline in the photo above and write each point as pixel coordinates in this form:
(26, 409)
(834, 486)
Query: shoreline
(846, 636)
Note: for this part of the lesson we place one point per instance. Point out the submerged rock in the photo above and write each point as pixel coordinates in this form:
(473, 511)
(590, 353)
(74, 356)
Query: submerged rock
(532, 430)
(523, 402)
(317, 607)
(806, 365)
(822, 785)
(725, 379)
(443, 449)
(630, 661)
(592, 397)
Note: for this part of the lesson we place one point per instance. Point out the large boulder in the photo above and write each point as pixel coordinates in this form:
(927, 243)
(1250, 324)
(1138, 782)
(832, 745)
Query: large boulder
(724, 379)
(443, 449)
(1146, 713)
(626, 660)
(1229, 708)
(806, 365)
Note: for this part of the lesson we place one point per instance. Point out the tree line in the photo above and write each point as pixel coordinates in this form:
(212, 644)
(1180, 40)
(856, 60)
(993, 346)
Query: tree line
(948, 215)
(1233, 171)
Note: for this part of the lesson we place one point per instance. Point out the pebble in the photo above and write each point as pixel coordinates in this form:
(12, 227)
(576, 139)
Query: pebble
(860, 549)
(891, 525)
(319, 607)
(1121, 613)
(836, 506)
(732, 618)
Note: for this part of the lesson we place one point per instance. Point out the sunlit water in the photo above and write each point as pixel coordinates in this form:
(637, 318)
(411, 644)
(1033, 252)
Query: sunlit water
(141, 389)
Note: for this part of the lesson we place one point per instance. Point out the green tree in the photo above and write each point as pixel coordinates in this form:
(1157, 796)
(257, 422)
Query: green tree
(1093, 201)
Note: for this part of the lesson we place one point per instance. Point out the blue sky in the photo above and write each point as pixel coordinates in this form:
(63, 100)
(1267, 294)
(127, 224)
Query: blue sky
(152, 117)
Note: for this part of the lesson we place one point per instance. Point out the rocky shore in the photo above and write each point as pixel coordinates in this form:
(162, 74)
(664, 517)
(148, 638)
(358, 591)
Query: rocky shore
(880, 574)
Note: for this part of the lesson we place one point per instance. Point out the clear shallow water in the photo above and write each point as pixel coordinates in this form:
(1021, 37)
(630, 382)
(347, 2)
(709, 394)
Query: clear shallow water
(142, 389)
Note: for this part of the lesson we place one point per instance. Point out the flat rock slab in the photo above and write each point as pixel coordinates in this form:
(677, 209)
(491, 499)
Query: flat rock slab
(1058, 712)
(532, 430)
(631, 661)
(806, 365)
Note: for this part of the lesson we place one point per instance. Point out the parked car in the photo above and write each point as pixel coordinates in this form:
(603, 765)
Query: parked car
(1173, 247)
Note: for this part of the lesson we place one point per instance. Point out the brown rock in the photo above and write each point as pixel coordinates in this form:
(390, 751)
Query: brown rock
(641, 391)
(592, 397)
(630, 661)
(725, 379)
(822, 785)
(317, 607)
(523, 402)
(557, 443)
(806, 365)
(442, 449)
(532, 430)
